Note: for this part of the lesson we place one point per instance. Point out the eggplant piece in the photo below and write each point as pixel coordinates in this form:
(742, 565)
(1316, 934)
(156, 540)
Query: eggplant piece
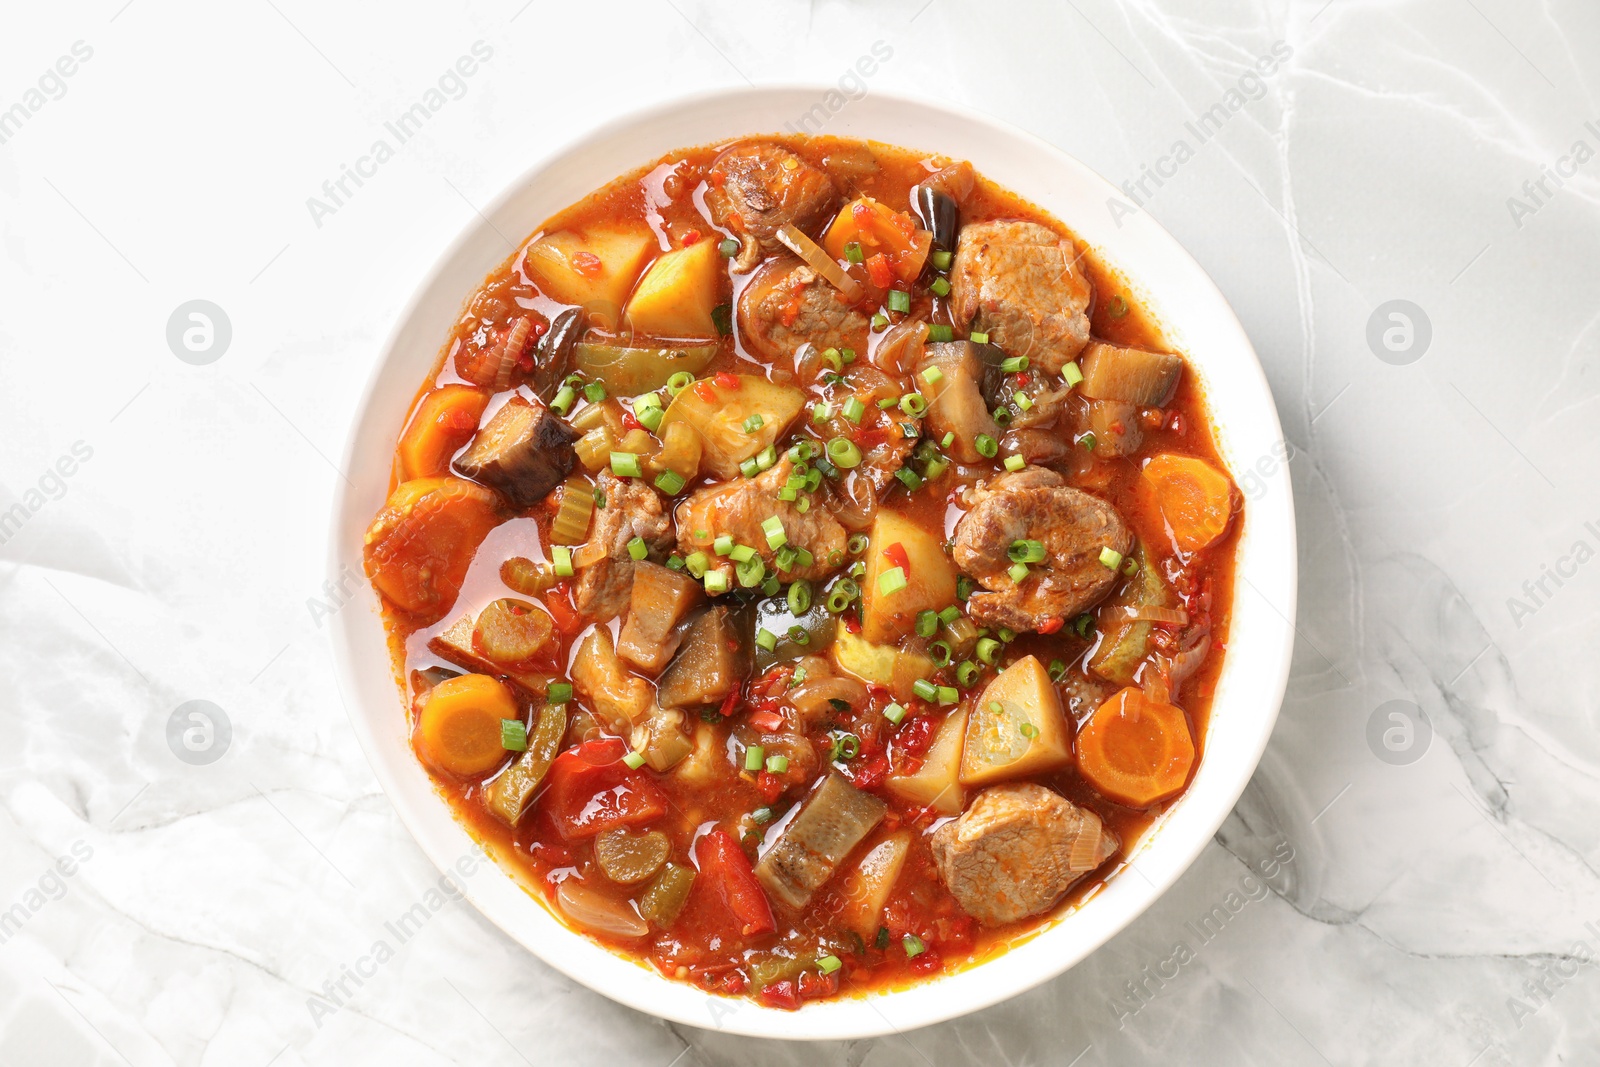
(834, 820)
(660, 599)
(709, 665)
(553, 359)
(1131, 375)
(508, 795)
(1116, 428)
(524, 452)
(456, 645)
(940, 215)
(955, 401)
(1124, 640)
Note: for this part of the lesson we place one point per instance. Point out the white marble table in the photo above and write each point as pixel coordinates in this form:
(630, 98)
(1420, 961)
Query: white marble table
(1404, 883)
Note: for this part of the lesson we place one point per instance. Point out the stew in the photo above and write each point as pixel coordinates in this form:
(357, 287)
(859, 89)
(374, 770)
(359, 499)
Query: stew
(810, 565)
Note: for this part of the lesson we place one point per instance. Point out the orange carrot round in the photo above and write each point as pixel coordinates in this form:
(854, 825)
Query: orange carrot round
(459, 729)
(1134, 750)
(444, 421)
(1194, 498)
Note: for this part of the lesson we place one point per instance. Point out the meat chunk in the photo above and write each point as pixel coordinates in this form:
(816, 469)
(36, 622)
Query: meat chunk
(524, 452)
(632, 509)
(739, 507)
(1020, 283)
(1016, 850)
(886, 436)
(760, 186)
(1035, 504)
(788, 304)
(835, 819)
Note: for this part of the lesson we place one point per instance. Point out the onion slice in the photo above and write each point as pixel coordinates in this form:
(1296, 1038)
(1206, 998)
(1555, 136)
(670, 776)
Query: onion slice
(510, 352)
(1165, 616)
(819, 261)
(598, 913)
(1085, 852)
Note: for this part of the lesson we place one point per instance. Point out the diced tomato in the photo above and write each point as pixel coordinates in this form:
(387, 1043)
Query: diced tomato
(727, 870)
(770, 785)
(690, 237)
(869, 773)
(1024, 378)
(1050, 626)
(915, 736)
(781, 994)
(870, 438)
(896, 555)
(769, 722)
(925, 962)
(852, 623)
(727, 379)
(558, 599)
(879, 271)
(704, 391)
(815, 984)
(631, 423)
(730, 702)
(591, 790)
(734, 983)
(586, 263)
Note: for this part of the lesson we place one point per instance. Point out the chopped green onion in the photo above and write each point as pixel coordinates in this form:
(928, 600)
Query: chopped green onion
(800, 597)
(1111, 557)
(927, 623)
(886, 403)
(891, 581)
(804, 557)
(739, 553)
(750, 571)
(935, 468)
(674, 562)
(801, 451)
(799, 634)
(1014, 365)
(852, 252)
(857, 543)
(772, 526)
(722, 545)
(1006, 634)
(786, 558)
(986, 446)
(940, 287)
(749, 467)
(650, 418)
(1029, 730)
(845, 746)
(941, 259)
(513, 735)
(829, 964)
(722, 319)
(925, 689)
(949, 615)
(717, 581)
(939, 652)
(948, 439)
(964, 587)
(563, 400)
(753, 423)
(879, 320)
(645, 401)
(821, 411)
(948, 694)
(771, 586)
(729, 248)
(594, 392)
(909, 478)
(933, 375)
(1018, 572)
(938, 332)
(777, 764)
(561, 560)
(832, 357)
(988, 650)
(978, 338)
(753, 757)
(698, 563)
(766, 639)
(1087, 440)
(914, 404)
(1058, 670)
(854, 409)
(844, 452)
(679, 381)
(967, 673)
(1072, 373)
(1082, 624)
(767, 457)
(626, 465)
(1001, 416)
(559, 692)
(848, 355)
(1026, 551)
(634, 760)
(762, 814)
(637, 549)
(1130, 566)
(670, 482)
(899, 300)
(894, 713)
(1015, 463)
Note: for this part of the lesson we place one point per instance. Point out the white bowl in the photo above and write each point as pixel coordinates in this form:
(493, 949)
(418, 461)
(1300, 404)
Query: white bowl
(1195, 317)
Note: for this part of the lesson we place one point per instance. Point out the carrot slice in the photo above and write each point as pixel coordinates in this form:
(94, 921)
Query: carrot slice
(420, 545)
(445, 420)
(1134, 750)
(879, 229)
(1194, 498)
(459, 728)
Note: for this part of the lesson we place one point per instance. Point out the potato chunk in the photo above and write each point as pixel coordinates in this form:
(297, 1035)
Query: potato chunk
(594, 269)
(937, 783)
(888, 607)
(1016, 727)
(675, 297)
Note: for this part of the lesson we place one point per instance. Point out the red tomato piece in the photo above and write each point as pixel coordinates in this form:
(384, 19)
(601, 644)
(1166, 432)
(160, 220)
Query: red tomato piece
(782, 994)
(558, 599)
(727, 870)
(727, 379)
(704, 391)
(879, 271)
(1050, 626)
(591, 790)
(768, 722)
(896, 555)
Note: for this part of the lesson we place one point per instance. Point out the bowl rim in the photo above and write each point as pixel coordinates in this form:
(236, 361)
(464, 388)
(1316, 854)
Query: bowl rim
(918, 1004)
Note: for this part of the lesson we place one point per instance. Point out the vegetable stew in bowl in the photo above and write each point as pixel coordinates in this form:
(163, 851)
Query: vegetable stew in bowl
(809, 565)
